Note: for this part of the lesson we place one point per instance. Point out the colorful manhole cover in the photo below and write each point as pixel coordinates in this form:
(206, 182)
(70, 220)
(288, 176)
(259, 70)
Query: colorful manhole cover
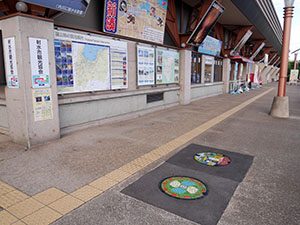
(183, 188)
(212, 159)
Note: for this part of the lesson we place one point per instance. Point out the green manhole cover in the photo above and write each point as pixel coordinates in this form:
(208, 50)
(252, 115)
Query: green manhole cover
(212, 159)
(183, 188)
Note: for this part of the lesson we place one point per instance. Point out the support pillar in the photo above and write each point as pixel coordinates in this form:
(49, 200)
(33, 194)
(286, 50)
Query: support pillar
(28, 124)
(185, 76)
(226, 74)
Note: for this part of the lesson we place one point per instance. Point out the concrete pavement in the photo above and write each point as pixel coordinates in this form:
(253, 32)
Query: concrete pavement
(269, 193)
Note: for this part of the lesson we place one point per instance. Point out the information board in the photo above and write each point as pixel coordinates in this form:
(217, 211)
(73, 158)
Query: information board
(10, 61)
(167, 66)
(77, 7)
(42, 104)
(141, 19)
(145, 65)
(89, 63)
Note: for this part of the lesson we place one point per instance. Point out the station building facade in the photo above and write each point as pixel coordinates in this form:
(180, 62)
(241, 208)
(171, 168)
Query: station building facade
(62, 72)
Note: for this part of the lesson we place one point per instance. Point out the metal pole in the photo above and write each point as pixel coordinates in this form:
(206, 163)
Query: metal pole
(288, 15)
(295, 61)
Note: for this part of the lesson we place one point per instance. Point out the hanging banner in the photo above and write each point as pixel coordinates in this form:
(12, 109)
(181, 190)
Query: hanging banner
(76, 7)
(140, 19)
(42, 104)
(210, 46)
(89, 63)
(39, 60)
(167, 66)
(145, 65)
(207, 22)
(10, 61)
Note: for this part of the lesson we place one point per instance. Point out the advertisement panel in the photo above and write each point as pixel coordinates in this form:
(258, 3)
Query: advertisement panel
(89, 63)
(76, 7)
(145, 65)
(140, 19)
(167, 66)
(39, 61)
(10, 61)
(206, 24)
(210, 46)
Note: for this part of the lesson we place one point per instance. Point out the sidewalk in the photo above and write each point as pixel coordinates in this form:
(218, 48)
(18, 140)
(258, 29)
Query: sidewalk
(268, 195)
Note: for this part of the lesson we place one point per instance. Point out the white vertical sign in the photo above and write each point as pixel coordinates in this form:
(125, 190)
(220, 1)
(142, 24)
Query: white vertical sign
(39, 60)
(10, 61)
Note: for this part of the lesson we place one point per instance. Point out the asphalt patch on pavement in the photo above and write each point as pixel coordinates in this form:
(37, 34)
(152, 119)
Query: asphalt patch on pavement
(235, 170)
(206, 211)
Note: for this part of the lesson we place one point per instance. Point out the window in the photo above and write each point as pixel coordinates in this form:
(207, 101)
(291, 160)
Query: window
(208, 70)
(218, 70)
(196, 68)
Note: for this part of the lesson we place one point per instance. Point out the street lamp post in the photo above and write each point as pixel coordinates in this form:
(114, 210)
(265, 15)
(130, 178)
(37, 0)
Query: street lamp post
(280, 106)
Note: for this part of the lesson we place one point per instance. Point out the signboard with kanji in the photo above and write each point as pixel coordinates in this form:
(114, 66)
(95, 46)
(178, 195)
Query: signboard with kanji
(11, 70)
(140, 19)
(39, 60)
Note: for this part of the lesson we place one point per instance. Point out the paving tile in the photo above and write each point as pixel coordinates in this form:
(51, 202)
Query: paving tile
(43, 216)
(25, 208)
(103, 183)
(66, 204)
(49, 196)
(117, 175)
(86, 193)
(12, 198)
(5, 188)
(6, 218)
(130, 168)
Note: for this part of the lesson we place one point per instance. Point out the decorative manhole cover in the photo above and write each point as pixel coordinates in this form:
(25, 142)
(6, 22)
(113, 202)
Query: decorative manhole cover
(183, 188)
(212, 159)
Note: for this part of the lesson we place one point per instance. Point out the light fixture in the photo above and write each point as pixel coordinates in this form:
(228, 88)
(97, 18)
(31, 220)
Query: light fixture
(289, 3)
(21, 7)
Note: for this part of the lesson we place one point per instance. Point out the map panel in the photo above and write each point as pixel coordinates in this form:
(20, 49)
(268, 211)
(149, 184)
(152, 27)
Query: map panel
(89, 63)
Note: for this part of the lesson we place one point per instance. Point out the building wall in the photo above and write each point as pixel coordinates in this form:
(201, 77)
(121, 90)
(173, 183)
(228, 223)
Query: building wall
(205, 90)
(80, 111)
(3, 115)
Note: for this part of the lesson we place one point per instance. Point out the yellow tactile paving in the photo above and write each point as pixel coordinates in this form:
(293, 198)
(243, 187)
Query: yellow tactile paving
(66, 204)
(6, 218)
(49, 196)
(86, 193)
(117, 175)
(43, 216)
(142, 161)
(25, 208)
(103, 183)
(12, 198)
(130, 168)
(5, 188)
(152, 156)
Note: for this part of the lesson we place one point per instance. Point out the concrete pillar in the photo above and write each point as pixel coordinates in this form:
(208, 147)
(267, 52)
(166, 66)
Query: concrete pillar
(30, 122)
(226, 74)
(185, 76)
(244, 72)
(202, 69)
